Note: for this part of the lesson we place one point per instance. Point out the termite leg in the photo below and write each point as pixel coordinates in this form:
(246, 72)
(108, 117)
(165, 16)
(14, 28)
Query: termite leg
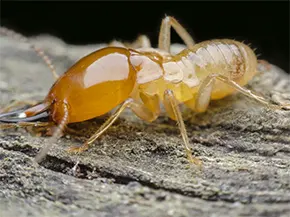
(164, 35)
(151, 106)
(172, 108)
(102, 129)
(139, 109)
(143, 112)
(204, 93)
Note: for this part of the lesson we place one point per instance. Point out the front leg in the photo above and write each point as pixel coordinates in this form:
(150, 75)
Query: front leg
(138, 108)
(102, 129)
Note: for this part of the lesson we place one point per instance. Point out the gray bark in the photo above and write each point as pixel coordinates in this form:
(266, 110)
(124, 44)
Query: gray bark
(140, 169)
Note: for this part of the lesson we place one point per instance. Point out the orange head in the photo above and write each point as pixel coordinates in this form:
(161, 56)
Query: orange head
(93, 86)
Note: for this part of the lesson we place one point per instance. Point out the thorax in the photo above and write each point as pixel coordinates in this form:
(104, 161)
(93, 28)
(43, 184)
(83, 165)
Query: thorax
(158, 71)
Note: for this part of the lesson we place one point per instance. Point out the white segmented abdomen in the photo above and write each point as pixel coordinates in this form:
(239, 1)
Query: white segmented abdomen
(227, 57)
(230, 58)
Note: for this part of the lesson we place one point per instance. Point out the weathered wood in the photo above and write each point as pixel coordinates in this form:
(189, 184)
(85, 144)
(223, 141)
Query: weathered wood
(140, 169)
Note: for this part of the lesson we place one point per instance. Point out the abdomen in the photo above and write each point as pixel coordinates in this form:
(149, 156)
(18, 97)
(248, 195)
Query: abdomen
(230, 58)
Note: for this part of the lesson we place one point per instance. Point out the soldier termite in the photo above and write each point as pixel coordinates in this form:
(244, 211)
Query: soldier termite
(139, 77)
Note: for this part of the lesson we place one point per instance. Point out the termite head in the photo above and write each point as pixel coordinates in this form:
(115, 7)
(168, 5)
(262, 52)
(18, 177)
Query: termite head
(93, 86)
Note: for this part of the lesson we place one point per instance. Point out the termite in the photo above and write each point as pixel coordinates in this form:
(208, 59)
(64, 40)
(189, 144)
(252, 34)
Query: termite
(140, 77)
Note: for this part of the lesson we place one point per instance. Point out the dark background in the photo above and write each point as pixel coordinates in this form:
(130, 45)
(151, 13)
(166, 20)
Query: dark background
(263, 24)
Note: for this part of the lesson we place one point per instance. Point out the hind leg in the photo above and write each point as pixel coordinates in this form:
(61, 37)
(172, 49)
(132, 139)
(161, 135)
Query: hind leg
(202, 100)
